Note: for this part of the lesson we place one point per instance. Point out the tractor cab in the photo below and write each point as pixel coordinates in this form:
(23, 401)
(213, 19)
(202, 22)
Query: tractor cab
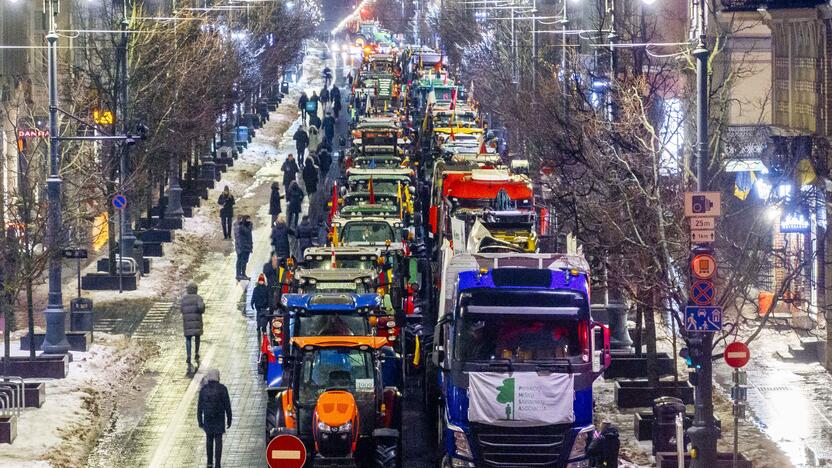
(337, 402)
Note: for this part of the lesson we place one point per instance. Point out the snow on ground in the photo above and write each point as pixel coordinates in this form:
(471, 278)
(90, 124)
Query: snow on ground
(58, 433)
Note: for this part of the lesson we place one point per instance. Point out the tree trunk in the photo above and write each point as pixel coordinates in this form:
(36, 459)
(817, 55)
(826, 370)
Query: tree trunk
(650, 329)
(30, 312)
(637, 342)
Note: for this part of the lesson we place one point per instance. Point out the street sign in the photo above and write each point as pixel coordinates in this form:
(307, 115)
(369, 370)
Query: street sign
(33, 133)
(119, 201)
(75, 253)
(702, 204)
(703, 318)
(736, 354)
(703, 237)
(286, 451)
(702, 224)
(702, 292)
(703, 266)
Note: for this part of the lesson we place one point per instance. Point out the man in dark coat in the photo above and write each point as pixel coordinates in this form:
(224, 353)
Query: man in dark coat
(315, 121)
(329, 127)
(260, 302)
(301, 140)
(226, 202)
(280, 238)
(290, 171)
(325, 159)
(244, 245)
(310, 177)
(335, 95)
(324, 96)
(213, 414)
(306, 235)
(294, 200)
(274, 202)
(271, 270)
(302, 105)
(192, 307)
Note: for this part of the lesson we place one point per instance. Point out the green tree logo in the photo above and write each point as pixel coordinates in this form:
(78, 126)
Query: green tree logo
(506, 396)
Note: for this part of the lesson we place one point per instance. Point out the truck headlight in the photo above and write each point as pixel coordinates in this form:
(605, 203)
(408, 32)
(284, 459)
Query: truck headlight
(461, 443)
(581, 442)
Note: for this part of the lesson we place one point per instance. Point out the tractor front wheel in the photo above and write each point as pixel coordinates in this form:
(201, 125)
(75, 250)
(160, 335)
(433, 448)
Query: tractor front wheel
(386, 455)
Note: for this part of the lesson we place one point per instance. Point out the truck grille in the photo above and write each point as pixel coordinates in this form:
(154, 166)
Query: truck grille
(517, 447)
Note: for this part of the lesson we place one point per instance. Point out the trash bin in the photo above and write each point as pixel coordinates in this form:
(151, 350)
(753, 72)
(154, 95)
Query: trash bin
(665, 410)
(80, 314)
(284, 87)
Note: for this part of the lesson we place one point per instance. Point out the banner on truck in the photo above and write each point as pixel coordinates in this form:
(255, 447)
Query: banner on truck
(520, 399)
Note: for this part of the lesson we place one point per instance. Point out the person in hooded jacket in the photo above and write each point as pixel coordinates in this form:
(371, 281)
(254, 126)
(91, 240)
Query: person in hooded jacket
(290, 171)
(294, 201)
(301, 140)
(302, 105)
(335, 95)
(244, 245)
(325, 159)
(274, 202)
(310, 177)
(226, 202)
(192, 307)
(280, 238)
(324, 95)
(213, 414)
(603, 449)
(329, 127)
(271, 270)
(307, 235)
(314, 139)
(260, 302)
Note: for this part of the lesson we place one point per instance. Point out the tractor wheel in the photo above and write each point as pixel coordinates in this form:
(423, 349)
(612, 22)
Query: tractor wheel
(386, 455)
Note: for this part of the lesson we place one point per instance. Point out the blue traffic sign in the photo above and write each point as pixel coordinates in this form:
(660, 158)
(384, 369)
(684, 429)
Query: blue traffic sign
(703, 318)
(702, 292)
(119, 201)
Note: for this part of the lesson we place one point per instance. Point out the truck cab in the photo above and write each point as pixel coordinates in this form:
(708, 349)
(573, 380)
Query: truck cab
(514, 361)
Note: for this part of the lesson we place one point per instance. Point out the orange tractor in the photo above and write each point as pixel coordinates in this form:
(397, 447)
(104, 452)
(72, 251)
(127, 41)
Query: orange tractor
(336, 403)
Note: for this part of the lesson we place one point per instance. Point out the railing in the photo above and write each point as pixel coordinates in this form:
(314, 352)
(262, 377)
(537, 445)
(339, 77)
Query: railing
(13, 401)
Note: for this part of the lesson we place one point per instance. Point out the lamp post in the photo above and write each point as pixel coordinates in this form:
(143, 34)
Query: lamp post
(55, 340)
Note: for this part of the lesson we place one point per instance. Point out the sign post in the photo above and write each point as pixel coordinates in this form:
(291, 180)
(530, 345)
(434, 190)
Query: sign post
(286, 451)
(737, 355)
(119, 203)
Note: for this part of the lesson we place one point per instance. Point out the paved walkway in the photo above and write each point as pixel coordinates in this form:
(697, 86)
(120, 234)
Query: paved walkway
(163, 431)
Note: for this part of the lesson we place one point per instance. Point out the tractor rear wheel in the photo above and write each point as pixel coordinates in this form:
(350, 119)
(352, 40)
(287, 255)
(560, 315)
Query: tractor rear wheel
(386, 455)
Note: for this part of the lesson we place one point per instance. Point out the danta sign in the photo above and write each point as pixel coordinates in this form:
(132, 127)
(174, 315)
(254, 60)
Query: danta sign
(794, 222)
(33, 133)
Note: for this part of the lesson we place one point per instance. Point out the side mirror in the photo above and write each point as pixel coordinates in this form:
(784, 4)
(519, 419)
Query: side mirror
(438, 357)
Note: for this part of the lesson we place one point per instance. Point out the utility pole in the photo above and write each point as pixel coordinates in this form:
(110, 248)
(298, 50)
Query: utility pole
(612, 37)
(564, 22)
(55, 340)
(703, 434)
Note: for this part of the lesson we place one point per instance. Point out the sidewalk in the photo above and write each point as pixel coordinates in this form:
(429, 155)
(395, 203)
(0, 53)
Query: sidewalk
(162, 431)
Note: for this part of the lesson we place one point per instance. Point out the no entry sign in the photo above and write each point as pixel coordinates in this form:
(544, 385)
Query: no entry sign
(286, 451)
(737, 354)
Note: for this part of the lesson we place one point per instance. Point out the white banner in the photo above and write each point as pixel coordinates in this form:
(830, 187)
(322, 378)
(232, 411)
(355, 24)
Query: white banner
(520, 399)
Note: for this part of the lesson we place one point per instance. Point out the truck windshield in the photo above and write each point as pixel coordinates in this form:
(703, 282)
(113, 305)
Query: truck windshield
(519, 326)
(327, 369)
(367, 232)
(330, 324)
(325, 263)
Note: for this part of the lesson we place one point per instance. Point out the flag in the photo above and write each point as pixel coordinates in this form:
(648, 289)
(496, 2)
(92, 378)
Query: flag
(333, 235)
(417, 353)
(438, 67)
(372, 192)
(399, 199)
(483, 149)
(743, 184)
(425, 123)
(266, 349)
(334, 203)
(431, 97)
(453, 99)
(408, 201)
(805, 172)
(421, 65)
(453, 136)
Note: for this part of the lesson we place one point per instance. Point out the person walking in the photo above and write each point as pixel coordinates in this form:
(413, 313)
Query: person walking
(271, 270)
(213, 414)
(335, 96)
(302, 100)
(244, 245)
(226, 202)
(329, 127)
(310, 177)
(274, 202)
(301, 141)
(307, 234)
(314, 139)
(294, 200)
(290, 171)
(192, 307)
(315, 121)
(260, 303)
(325, 161)
(324, 97)
(280, 238)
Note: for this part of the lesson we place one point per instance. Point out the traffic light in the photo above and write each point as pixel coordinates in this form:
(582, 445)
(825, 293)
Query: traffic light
(693, 353)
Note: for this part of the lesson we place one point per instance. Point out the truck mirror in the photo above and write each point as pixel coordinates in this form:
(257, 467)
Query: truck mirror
(438, 357)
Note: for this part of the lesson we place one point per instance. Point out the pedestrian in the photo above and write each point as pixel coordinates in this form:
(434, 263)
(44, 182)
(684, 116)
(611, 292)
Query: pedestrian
(271, 270)
(336, 106)
(349, 80)
(301, 141)
(302, 100)
(290, 171)
(325, 160)
(310, 177)
(314, 139)
(307, 235)
(226, 202)
(315, 121)
(335, 94)
(213, 414)
(603, 449)
(274, 202)
(244, 246)
(324, 95)
(329, 126)
(260, 302)
(280, 238)
(192, 307)
(294, 199)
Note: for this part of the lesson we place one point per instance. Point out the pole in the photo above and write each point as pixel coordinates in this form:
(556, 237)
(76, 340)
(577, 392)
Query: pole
(55, 340)
(613, 39)
(736, 421)
(703, 434)
(128, 238)
(513, 50)
(564, 22)
(534, 52)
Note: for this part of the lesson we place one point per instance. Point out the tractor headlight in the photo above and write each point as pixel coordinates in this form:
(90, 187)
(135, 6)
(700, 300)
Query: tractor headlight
(346, 427)
(322, 426)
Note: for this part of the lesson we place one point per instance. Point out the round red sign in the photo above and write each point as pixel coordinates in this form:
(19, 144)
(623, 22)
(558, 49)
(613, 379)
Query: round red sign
(286, 451)
(737, 354)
